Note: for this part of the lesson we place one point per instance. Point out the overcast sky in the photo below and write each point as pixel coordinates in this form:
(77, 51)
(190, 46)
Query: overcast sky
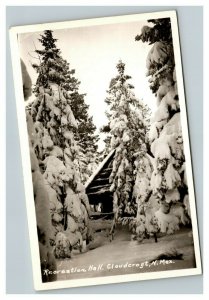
(94, 52)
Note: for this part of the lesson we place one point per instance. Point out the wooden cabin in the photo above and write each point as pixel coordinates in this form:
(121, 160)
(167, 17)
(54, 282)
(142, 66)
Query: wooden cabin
(98, 187)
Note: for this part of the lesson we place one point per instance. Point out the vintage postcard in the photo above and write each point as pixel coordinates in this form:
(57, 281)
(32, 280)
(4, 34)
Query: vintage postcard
(105, 150)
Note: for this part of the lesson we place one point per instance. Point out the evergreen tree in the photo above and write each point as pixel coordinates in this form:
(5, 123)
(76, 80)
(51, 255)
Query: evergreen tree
(168, 178)
(85, 133)
(127, 124)
(57, 70)
(41, 197)
(56, 147)
(107, 139)
(105, 129)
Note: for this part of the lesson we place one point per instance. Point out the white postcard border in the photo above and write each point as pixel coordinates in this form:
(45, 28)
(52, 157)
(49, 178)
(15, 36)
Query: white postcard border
(31, 216)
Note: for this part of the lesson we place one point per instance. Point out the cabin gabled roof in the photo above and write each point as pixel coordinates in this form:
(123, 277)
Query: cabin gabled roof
(98, 185)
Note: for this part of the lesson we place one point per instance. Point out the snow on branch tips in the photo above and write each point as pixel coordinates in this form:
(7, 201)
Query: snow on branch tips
(56, 137)
(131, 169)
(167, 181)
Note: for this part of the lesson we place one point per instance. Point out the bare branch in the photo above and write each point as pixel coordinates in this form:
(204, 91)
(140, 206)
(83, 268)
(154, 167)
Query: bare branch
(32, 56)
(38, 54)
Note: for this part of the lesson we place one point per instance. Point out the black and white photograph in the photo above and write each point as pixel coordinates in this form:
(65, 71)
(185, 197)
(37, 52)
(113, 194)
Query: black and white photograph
(105, 150)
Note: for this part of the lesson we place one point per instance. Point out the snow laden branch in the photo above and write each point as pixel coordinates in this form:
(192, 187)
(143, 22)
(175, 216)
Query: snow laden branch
(128, 124)
(58, 144)
(167, 208)
(41, 198)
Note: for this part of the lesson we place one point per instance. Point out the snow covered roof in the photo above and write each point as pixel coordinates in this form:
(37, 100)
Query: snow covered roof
(100, 167)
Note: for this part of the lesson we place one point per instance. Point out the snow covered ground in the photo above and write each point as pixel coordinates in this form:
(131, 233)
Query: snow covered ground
(123, 256)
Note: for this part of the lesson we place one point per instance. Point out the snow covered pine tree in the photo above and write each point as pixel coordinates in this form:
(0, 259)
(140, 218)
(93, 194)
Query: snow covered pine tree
(85, 136)
(169, 201)
(127, 121)
(57, 149)
(41, 197)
